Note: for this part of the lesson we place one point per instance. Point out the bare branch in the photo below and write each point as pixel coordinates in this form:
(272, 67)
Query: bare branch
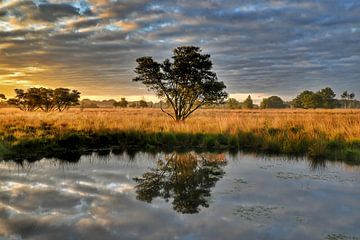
(167, 113)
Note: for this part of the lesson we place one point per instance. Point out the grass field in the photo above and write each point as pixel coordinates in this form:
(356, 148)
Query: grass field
(333, 134)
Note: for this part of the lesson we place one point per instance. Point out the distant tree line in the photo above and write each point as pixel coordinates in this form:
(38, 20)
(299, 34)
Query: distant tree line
(325, 98)
(248, 103)
(45, 99)
(60, 99)
(123, 103)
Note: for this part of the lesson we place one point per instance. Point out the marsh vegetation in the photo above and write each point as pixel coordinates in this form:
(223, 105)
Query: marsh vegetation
(319, 134)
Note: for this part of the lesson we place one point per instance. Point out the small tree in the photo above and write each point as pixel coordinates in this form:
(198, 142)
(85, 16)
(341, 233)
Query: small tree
(143, 103)
(308, 99)
(123, 103)
(312, 101)
(26, 101)
(45, 99)
(272, 102)
(348, 98)
(87, 103)
(345, 96)
(328, 97)
(351, 98)
(65, 98)
(232, 103)
(186, 82)
(2, 99)
(248, 103)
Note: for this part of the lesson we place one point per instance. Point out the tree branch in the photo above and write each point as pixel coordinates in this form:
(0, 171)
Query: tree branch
(188, 114)
(167, 113)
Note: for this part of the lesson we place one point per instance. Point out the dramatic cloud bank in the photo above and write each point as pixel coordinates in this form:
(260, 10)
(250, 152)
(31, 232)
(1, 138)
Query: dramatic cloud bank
(263, 47)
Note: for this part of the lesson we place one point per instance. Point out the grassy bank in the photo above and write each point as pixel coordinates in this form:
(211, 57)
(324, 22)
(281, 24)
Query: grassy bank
(321, 134)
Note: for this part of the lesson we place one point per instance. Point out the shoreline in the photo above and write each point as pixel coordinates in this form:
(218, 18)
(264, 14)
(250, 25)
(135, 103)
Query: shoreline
(73, 144)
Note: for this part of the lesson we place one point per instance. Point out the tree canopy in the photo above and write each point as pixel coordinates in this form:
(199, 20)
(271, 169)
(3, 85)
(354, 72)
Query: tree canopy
(45, 99)
(186, 81)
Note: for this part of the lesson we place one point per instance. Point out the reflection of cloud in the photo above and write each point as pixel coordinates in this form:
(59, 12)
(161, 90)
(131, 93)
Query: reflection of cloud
(257, 46)
(101, 205)
(119, 188)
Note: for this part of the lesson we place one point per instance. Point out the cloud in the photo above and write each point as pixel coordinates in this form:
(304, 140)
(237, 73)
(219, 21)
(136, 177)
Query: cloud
(270, 47)
(126, 25)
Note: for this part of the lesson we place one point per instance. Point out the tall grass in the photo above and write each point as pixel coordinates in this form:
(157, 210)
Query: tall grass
(317, 133)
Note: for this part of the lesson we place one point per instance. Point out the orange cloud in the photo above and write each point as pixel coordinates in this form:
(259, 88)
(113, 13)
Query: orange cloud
(126, 26)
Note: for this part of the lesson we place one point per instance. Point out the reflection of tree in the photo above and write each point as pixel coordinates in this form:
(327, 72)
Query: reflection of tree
(185, 178)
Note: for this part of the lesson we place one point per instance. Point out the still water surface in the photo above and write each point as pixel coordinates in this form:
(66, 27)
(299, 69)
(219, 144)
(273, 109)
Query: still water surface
(179, 196)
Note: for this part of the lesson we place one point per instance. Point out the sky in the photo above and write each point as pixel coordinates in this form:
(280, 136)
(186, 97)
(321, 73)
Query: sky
(258, 47)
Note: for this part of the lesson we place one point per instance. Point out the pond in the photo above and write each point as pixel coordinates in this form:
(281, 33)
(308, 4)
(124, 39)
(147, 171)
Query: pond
(179, 196)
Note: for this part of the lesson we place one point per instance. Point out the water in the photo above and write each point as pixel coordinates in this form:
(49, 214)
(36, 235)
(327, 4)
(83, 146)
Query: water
(186, 196)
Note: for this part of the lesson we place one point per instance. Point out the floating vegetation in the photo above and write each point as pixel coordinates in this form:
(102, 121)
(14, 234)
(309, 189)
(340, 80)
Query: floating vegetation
(322, 177)
(252, 213)
(236, 186)
(238, 181)
(341, 237)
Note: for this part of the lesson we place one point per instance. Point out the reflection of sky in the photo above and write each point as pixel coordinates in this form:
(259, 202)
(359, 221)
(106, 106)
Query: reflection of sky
(256, 199)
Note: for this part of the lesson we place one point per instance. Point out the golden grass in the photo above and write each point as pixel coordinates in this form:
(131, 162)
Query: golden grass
(331, 122)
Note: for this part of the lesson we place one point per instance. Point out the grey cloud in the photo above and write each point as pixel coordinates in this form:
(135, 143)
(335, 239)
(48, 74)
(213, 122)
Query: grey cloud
(51, 12)
(273, 46)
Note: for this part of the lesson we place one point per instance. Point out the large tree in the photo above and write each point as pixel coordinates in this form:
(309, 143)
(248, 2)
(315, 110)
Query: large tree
(186, 81)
